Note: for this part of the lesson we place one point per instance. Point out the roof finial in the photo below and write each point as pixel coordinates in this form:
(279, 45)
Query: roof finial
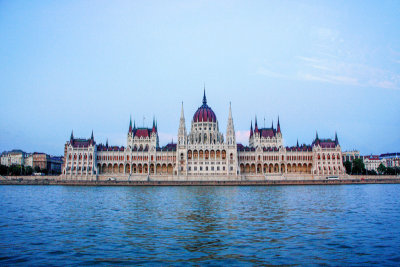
(107, 143)
(316, 135)
(297, 142)
(130, 124)
(72, 134)
(204, 96)
(92, 138)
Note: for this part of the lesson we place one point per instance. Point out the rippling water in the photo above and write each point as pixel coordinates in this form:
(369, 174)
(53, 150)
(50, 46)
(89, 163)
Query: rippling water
(337, 225)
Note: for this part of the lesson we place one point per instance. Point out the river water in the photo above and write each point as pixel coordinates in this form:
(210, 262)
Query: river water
(200, 225)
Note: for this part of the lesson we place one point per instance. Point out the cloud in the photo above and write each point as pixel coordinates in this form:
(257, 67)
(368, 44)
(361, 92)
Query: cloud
(330, 59)
(242, 137)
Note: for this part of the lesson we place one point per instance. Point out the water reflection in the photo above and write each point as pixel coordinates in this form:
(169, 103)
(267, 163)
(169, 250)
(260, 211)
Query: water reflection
(203, 225)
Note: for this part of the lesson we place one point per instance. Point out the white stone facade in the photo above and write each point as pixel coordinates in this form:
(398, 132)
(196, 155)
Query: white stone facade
(202, 154)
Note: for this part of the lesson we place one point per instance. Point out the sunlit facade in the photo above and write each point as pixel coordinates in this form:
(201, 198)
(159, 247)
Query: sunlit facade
(204, 153)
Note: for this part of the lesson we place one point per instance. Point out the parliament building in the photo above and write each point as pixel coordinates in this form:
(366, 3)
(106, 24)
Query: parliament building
(203, 153)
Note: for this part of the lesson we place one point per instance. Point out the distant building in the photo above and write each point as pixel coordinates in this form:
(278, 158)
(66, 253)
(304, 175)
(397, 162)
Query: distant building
(391, 159)
(28, 160)
(351, 155)
(14, 157)
(54, 164)
(372, 162)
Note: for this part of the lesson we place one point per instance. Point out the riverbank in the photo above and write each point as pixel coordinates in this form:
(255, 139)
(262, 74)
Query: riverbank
(56, 180)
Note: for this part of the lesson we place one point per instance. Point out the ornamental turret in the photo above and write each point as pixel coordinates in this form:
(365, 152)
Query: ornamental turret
(230, 129)
(182, 129)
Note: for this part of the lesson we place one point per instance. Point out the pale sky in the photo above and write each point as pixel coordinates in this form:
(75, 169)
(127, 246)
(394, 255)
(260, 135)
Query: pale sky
(82, 65)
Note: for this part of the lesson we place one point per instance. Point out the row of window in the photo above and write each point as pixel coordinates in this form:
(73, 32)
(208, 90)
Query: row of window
(140, 158)
(212, 168)
(80, 156)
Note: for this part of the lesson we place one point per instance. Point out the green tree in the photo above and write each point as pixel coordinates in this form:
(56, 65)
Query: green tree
(37, 169)
(381, 169)
(28, 170)
(15, 170)
(347, 165)
(390, 171)
(3, 170)
(358, 167)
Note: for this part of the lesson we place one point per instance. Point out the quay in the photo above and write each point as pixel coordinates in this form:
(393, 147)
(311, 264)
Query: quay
(57, 180)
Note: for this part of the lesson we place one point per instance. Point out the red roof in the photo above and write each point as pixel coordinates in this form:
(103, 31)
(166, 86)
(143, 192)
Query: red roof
(142, 133)
(267, 132)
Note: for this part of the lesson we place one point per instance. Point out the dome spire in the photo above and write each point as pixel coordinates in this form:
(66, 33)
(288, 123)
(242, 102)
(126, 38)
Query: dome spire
(204, 96)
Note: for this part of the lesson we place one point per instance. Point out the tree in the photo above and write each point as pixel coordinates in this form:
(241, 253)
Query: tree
(358, 167)
(37, 169)
(3, 170)
(390, 171)
(381, 169)
(347, 165)
(28, 170)
(15, 170)
(371, 172)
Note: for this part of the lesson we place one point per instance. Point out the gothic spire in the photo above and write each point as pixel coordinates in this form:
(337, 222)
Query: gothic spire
(182, 114)
(230, 128)
(279, 126)
(107, 143)
(72, 135)
(204, 96)
(297, 142)
(316, 135)
(154, 126)
(91, 137)
(251, 128)
(336, 139)
(130, 124)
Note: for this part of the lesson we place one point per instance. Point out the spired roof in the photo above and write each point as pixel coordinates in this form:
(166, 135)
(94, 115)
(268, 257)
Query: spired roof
(267, 132)
(142, 132)
(204, 113)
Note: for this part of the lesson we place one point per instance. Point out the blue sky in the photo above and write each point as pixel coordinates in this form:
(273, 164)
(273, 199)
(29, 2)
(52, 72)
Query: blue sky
(82, 65)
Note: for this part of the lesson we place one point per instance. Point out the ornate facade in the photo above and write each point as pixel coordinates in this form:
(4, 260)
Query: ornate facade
(202, 154)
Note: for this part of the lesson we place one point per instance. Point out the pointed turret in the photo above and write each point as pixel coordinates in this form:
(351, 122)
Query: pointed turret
(130, 124)
(107, 143)
(72, 135)
(272, 125)
(92, 137)
(230, 129)
(153, 130)
(251, 128)
(336, 139)
(182, 128)
(279, 126)
(316, 135)
(297, 142)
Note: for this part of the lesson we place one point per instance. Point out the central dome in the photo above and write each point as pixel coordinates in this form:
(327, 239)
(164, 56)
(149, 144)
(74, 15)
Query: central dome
(204, 113)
